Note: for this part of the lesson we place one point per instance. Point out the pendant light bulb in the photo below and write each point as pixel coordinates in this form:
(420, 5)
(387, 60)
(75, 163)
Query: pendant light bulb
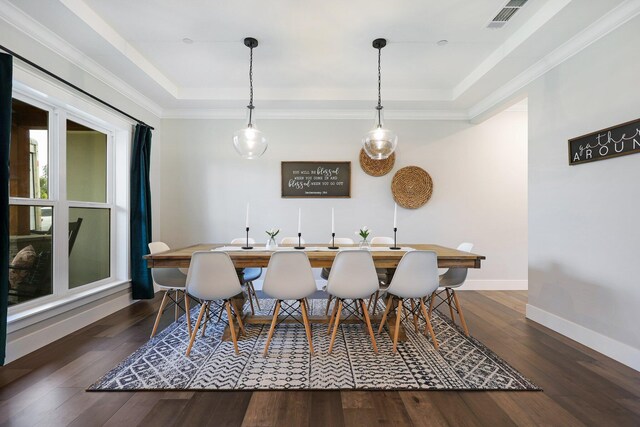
(379, 143)
(249, 142)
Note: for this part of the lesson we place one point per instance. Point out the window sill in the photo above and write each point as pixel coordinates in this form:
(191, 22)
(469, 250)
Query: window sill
(27, 317)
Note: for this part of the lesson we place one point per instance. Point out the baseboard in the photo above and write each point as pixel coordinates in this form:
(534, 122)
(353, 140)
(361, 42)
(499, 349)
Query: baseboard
(495, 285)
(20, 343)
(616, 350)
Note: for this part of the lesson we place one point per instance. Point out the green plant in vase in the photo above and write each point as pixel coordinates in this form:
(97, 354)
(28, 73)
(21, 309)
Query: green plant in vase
(271, 243)
(364, 236)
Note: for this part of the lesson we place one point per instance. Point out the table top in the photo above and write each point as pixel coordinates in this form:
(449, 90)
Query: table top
(259, 256)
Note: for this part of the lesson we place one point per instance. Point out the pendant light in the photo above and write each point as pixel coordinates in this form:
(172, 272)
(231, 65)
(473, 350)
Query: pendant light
(379, 142)
(249, 142)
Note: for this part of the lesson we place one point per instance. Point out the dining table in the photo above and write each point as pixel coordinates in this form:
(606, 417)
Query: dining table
(320, 256)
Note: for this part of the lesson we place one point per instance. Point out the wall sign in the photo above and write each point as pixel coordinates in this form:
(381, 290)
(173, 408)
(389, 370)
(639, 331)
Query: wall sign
(615, 141)
(316, 179)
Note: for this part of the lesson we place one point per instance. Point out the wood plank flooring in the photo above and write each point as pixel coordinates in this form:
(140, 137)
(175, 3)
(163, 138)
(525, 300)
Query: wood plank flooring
(581, 387)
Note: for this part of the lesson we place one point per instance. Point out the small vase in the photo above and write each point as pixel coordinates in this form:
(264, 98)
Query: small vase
(364, 244)
(272, 245)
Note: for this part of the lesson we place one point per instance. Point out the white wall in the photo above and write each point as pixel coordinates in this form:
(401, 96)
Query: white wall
(479, 174)
(583, 220)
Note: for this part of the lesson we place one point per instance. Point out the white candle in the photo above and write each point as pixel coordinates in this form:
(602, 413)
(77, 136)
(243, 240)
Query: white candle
(333, 223)
(299, 220)
(395, 215)
(247, 215)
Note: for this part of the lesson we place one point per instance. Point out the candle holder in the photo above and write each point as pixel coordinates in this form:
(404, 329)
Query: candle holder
(395, 246)
(333, 242)
(247, 244)
(299, 242)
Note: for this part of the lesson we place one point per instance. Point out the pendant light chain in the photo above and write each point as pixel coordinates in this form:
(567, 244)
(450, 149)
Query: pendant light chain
(250, 86)
(379, 107)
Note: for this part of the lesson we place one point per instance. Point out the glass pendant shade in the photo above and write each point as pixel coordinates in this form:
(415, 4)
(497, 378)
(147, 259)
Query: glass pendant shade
(249, 142)
(379, 143)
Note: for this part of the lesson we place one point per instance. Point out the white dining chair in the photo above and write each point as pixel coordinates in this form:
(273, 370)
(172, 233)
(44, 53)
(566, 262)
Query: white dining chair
(453, 278)
(384, 274)
(289, 277)
(416, 278)
(291, 241)
(212, 277)
(353, 277)
(169, 280)
(249, 274)
(326, 270)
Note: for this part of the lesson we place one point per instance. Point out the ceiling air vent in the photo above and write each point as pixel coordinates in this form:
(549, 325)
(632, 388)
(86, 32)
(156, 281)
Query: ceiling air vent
(506, 13)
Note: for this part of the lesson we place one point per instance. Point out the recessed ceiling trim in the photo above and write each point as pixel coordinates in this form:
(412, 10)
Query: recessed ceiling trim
(615, 18)
(111, 36)
(38, 32)
(548, 11)
(315, 114)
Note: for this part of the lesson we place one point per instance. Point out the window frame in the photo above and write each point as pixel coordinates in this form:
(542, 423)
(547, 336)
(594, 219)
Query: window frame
(119, 135)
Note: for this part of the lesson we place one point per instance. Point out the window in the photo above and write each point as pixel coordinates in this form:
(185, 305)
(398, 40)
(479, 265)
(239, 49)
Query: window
(64, 219)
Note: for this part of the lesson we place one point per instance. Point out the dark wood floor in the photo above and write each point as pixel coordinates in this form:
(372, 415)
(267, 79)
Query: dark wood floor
(581, 387)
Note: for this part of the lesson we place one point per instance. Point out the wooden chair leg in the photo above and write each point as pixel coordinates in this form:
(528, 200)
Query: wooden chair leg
(386, 313)
(250, 299)
(232, 328)
(206, 318)
(255, 295)
(432, 302)
(195, 328)
(238, 314)
(449, 300)
(415, 316)
(397, 330)
(428, 321)
(273, 327)
(307, 327)
(333, 316)
(326, 311)
(160, 310)
(368, 321)
(375, 303)
(335, 326)
(177, 308)
(462, 321)
(187, 311)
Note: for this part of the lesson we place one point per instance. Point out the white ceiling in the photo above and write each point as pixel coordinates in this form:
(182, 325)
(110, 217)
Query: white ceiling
(318, 55)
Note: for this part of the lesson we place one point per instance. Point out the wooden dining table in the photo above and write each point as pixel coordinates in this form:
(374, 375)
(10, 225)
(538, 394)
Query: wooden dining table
(259, 256)
(319, 256)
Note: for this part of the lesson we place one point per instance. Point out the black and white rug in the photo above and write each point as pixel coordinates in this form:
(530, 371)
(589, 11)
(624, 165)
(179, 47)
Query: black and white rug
(461, 363)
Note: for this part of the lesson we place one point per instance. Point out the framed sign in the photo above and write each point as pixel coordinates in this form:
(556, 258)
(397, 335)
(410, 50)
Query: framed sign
(615, 141)
(316, 179)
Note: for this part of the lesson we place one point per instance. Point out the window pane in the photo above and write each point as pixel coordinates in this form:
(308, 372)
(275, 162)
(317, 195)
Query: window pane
(29, 151)
(86, 164)
(89, 245)
(30, 250)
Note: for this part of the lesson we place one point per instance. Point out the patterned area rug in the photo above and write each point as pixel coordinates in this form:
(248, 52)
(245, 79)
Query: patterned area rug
(461, 363)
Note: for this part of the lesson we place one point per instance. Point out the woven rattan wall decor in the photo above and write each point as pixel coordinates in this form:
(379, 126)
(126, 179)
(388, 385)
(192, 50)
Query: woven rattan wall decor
(376, 167)
(411, 187)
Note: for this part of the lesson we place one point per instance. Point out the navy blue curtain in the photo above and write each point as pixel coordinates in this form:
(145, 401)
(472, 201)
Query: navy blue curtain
(6, 75)
(140, 232)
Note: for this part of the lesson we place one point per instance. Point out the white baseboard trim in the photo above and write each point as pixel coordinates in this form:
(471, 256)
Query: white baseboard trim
(52, 329)
(616, 350)
(494, 285)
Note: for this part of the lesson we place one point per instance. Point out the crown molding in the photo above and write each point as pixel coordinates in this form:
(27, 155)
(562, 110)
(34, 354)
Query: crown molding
(47, 38)
(111, 36)
(315, 114)
(615, 18)
(542, 16)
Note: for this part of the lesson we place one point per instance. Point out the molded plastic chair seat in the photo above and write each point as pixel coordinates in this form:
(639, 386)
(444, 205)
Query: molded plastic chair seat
(169, 280)
(416, 277)
(451, 279)
(353, 277)
(212, 276)
(251, 274)
(289, 277)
